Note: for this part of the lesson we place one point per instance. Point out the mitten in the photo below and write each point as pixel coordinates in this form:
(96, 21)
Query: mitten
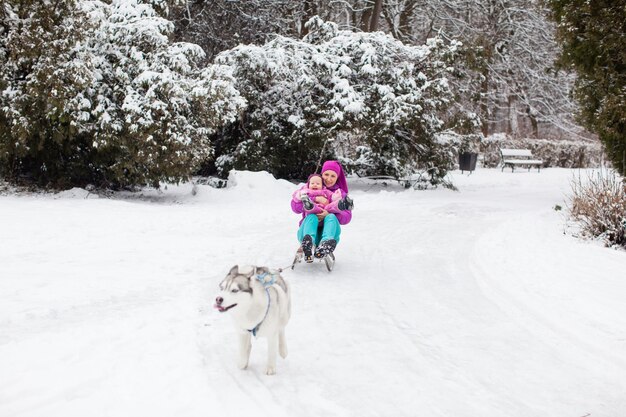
(297, 195)
(306, 202)
(316, 209)
(345, 203)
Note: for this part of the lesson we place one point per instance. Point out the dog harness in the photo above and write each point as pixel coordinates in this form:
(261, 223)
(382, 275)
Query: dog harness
(267, 280)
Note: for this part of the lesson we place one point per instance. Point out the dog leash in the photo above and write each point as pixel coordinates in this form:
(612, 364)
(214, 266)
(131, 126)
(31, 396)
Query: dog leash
(283, 269)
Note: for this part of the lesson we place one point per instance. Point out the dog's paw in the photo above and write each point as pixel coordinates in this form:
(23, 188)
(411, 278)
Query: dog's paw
(270, 370)
(242, 364)
(283, 352)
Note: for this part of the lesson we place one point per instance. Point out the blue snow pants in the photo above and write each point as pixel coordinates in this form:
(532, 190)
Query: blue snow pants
(329, 229)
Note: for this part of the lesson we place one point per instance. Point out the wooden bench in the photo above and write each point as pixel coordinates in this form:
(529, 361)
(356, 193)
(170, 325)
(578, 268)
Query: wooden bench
(519, 157)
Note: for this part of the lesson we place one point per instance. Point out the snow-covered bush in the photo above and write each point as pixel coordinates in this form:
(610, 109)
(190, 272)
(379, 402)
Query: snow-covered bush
(40, 71)
(598, 204)
(121, 105)
(155, 108)
(376, 98)
(458, 143)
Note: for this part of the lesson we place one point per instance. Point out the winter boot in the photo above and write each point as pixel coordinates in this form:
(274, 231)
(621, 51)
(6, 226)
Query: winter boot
(326, 247)
(306, 202)
(307, 248)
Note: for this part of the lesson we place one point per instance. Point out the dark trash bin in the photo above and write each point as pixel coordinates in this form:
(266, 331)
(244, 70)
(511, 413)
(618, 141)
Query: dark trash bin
(467, 161)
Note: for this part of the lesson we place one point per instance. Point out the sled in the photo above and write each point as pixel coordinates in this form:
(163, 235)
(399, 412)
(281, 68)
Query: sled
(329, 260)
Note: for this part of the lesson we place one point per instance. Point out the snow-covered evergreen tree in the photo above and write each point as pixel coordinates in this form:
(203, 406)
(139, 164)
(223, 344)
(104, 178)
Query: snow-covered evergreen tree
(594, 45)
(152, 103)
(369, 93)
(40, 72)
(134, 108)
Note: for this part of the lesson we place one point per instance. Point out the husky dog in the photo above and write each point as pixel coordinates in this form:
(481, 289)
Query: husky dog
(259, 302)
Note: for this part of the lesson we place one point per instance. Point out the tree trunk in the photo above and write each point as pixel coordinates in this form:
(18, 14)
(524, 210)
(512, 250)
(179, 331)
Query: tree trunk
(512, 127)
(391, 24)
(374, 23)
(310, 10)
(484, 103)
(404, 26)
(533, 122)
(354, 19)
(365, 19)
(511, 114)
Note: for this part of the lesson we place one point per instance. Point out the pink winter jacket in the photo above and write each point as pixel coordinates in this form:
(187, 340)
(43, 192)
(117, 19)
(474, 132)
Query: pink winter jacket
(344, 216)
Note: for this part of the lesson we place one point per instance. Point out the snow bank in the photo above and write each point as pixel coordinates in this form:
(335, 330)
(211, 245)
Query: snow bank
(254, 181)
(75, 193)
(257, 187)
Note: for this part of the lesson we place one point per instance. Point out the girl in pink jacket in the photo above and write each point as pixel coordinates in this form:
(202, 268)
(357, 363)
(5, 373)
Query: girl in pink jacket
(314, 196)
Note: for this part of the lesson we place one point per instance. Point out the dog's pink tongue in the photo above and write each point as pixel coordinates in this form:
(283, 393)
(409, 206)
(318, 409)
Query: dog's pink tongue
(220, 308)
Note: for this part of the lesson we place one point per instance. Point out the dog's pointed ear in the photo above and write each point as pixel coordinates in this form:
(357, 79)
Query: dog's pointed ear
(234, 270)
(247, 270)
(261, 270)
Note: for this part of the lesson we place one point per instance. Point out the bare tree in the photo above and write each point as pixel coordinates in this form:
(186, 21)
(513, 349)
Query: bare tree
(510, 49)
(217, 25)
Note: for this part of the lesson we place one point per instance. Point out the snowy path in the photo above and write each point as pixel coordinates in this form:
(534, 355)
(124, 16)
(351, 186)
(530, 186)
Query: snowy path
(470, 303)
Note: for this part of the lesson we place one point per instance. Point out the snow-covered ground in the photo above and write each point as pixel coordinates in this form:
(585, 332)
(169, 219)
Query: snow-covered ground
(471, 303)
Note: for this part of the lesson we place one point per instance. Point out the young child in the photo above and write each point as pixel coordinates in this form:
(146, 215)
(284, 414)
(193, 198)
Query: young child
(315, 197)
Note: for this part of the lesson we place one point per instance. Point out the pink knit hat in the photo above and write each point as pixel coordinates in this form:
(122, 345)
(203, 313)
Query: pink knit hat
(314, 175)
(341, 178)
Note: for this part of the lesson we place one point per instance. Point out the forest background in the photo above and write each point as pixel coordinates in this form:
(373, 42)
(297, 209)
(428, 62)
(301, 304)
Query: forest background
(125, 93)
